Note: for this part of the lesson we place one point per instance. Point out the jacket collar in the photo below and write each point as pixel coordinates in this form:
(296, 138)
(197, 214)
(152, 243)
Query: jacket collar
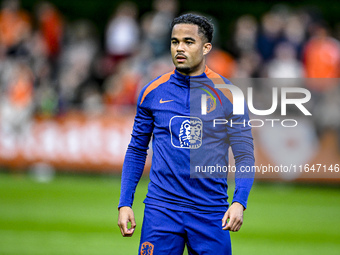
(185, 80)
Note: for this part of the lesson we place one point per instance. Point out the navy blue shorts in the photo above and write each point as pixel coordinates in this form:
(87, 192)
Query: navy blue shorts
(166, 231)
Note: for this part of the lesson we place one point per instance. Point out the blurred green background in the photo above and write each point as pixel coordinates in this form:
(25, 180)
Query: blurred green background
(78, 215)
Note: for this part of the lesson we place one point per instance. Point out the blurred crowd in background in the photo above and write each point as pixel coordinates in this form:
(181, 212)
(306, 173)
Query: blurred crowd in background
(49, 66)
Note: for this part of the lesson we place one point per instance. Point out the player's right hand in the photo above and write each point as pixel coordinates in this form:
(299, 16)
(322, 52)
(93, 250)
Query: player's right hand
(125, 216)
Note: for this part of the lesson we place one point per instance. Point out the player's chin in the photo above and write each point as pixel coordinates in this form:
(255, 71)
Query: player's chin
(183, 68)
(180, 64)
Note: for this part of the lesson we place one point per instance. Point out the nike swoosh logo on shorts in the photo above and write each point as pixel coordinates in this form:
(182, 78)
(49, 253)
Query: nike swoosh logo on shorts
(167, 101)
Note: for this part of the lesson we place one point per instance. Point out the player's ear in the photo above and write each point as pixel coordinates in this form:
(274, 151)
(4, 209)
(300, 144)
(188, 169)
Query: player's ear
(207, 48)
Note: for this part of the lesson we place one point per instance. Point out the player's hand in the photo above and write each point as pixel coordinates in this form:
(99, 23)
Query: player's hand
(235, 216)
(124, 217)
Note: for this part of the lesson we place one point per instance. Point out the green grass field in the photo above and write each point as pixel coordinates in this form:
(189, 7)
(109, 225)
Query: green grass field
(78, 215)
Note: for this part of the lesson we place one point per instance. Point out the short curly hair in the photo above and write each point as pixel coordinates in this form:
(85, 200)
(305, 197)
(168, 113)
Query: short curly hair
(205, 26)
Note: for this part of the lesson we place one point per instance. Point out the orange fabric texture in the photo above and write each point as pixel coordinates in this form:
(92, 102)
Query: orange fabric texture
(156, 83)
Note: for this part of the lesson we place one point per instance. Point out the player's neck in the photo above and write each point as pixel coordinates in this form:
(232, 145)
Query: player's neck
(195, 71)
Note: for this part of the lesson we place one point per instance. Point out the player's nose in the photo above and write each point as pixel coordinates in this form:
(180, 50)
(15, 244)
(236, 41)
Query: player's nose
(180, 47)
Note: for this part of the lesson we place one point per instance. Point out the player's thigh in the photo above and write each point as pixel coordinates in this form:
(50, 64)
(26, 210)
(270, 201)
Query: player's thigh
(205, 234)
(162, 232)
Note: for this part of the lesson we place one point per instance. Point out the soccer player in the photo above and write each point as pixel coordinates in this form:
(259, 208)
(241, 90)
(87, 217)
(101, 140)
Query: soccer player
(189, 115)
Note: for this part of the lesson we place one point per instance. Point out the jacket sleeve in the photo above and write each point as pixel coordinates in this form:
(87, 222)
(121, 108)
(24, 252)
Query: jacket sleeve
(241, 142)
(136, 153)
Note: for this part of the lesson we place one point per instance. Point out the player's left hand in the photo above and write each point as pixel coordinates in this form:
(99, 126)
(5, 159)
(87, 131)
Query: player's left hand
(235, 216)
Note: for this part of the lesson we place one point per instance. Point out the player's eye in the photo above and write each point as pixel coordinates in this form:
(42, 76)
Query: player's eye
(189, 42)
(174, 42)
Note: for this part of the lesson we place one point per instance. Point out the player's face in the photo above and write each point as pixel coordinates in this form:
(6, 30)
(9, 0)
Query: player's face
(188, 48)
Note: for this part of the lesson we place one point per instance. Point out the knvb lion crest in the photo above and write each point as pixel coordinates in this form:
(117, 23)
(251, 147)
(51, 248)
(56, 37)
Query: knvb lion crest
(189, 130)
(146, 248)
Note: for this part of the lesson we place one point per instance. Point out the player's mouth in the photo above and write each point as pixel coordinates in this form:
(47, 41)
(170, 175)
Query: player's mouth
(181, 58)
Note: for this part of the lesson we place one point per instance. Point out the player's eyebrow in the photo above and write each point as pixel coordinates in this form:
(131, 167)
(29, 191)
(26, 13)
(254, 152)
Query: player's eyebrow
(185, 39)
(189, 39)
